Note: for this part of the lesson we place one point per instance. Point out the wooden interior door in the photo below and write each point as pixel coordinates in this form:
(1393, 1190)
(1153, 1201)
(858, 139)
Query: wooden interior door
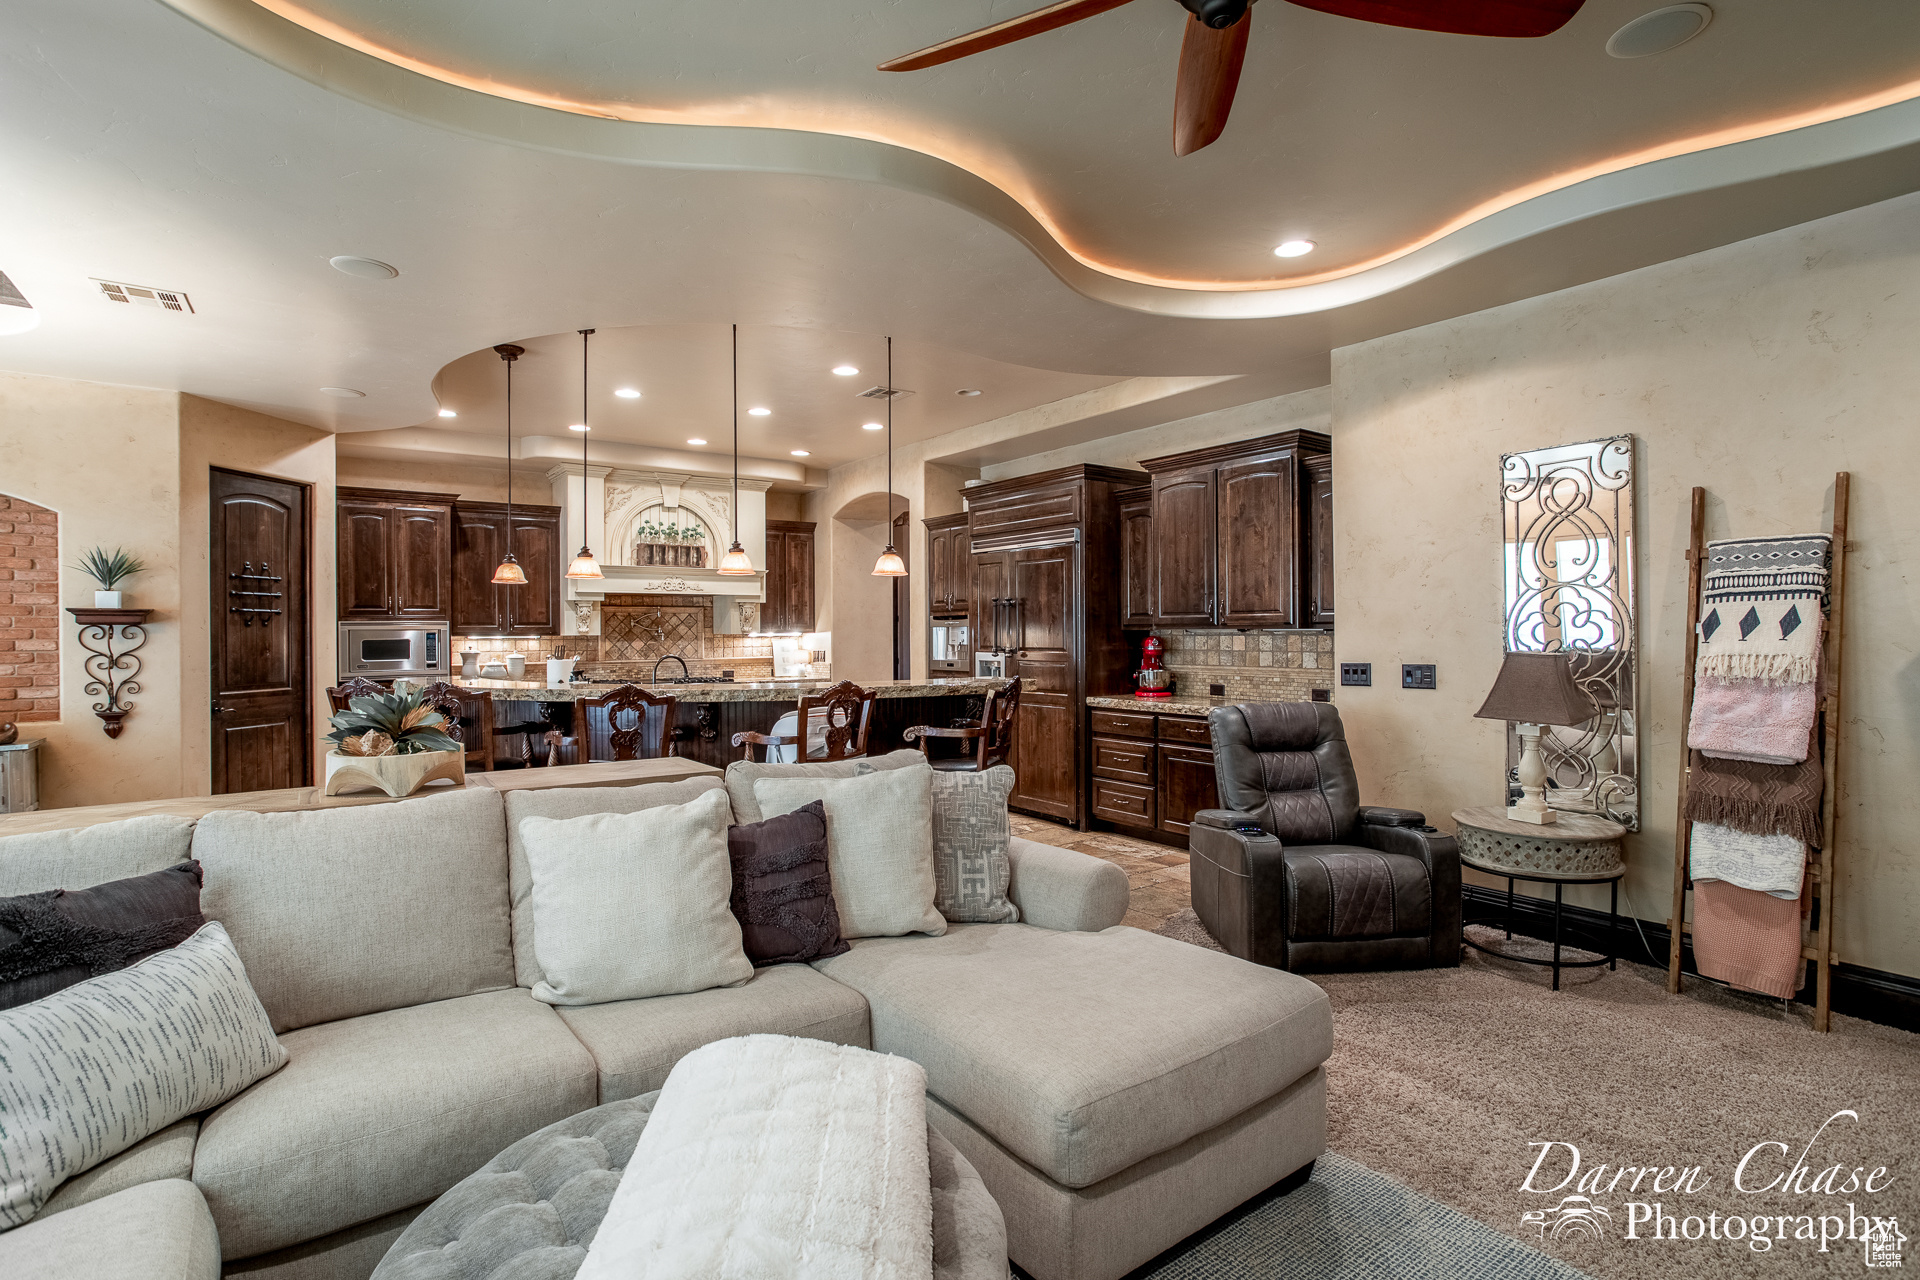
(261, 543)
(1044, 585)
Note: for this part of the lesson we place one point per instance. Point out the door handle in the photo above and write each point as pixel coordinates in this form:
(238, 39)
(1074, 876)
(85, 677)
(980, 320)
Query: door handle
(218, 709)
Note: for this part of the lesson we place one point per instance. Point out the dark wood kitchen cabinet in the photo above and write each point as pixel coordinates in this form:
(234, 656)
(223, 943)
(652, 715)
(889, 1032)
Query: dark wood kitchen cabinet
(1233, 541)
(1150, 773)
(395, 555)
(949, 573)
(1319, 539)
(482, 533)
(1047, 590)
(1136, 557)
(789, 605)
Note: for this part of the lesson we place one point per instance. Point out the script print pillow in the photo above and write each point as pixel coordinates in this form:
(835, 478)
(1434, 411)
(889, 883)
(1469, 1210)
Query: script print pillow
(970, 834)
(89, 1071)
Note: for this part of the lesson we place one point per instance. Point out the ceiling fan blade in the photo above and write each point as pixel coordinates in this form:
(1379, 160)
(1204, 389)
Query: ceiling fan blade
(1210, 64)
(1512, 18)
(1050, 18)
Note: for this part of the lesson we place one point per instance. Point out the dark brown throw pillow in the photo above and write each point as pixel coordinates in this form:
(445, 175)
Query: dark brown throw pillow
(782, 896)
(51, 940)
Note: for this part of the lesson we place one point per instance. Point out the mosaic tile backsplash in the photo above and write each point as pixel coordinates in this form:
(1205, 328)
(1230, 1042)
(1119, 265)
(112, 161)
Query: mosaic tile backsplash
(1271, 666)
(638, 630)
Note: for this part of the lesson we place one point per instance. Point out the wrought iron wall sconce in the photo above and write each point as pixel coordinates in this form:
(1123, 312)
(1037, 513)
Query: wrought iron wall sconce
(111, 638)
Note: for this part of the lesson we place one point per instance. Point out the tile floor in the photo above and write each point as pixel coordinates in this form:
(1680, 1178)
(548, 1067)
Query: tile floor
(1157, 872)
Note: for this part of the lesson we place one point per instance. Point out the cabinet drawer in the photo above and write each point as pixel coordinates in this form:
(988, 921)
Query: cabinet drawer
(1123, 760)
(1182, 729)
(1123, 802)
(1122, 725)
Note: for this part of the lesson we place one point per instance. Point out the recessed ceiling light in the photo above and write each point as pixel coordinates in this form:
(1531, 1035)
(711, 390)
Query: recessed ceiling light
(696, 440)
(365, 268)
(345, 393)
(801, 453)
(758, 412)
(873, 426)
(627, 393)
(1659, 31)
(579, 426)
(448, 413)
(968, 391)
(846, 371)
(1293, 249)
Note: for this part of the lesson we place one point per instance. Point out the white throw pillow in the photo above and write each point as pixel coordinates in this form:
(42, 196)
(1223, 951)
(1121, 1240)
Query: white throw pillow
(631, 905)
(879, 846)
(89, 1071)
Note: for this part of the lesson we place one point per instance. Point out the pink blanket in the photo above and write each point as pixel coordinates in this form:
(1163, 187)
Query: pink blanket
(1752, 719)
(1747, 939)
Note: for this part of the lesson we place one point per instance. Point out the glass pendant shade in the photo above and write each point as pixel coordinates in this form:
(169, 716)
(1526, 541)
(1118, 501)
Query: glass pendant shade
(584, 565)
(890, 565)
(510, 574)
(736, 563)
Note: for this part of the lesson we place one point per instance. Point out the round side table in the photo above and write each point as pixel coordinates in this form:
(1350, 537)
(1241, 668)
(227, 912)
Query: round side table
(1578, 849)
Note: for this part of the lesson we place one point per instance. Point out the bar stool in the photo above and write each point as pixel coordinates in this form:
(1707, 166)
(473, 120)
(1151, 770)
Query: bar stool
(469, 716)
(992, 735)
(650, 736)
(838, 717)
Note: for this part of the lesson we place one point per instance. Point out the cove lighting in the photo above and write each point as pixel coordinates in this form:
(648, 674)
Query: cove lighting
(758, 412)
(627, 393)
(448, 413)
(873, 426)
(1294, 249)
(579, 426)
(846, 371)
(801, 453)
(696, 440)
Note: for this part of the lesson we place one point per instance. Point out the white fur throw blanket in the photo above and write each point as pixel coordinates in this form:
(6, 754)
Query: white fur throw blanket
(778, 1158)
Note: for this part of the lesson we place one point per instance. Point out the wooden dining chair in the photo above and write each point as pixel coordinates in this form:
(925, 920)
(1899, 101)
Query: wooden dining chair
(991, 737)
(469, 716)
(845, 712)
(357, 687)
(600, 732)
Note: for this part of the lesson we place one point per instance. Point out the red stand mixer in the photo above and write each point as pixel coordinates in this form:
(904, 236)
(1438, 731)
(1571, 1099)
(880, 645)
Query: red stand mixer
(1152, 680)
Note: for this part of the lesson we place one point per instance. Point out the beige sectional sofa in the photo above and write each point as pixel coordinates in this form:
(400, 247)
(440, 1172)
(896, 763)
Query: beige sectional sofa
(1115, 1090)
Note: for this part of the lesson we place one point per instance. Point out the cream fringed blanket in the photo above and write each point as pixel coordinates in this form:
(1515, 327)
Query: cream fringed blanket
(775, 1158)
(1761, 603)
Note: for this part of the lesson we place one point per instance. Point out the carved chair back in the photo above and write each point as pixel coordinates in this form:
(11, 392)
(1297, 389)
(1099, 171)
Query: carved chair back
(638, 725)
(469, 716)
(844, 712)
(1002, 709)
(357, 687)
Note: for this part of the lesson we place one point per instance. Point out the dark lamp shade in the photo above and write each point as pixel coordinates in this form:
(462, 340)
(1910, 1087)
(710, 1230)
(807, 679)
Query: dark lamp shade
(1537, 688)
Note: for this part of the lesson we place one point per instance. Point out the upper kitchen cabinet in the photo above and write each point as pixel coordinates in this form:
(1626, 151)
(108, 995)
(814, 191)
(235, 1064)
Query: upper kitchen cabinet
(1136, 556)
(949, 566)
(396, 555)
(481, 534)
(789, 606)
(1233, 534)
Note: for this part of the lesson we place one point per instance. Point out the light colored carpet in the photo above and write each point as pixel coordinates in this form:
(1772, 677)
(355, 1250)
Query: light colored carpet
(1440, 1079)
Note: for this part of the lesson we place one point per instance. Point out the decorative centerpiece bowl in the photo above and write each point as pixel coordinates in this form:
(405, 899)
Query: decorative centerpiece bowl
(392, 742)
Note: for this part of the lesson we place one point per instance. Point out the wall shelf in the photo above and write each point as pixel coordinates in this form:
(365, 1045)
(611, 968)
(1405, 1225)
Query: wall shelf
(112, 638)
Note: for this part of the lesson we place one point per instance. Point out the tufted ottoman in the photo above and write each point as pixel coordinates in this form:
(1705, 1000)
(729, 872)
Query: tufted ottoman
(532, 1211)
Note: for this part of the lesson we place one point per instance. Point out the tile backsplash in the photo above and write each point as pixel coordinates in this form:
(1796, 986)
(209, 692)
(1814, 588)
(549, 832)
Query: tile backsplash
(1279, 666)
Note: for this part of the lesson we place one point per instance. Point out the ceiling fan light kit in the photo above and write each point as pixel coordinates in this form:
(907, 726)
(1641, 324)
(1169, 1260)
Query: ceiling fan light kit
(1214, 48)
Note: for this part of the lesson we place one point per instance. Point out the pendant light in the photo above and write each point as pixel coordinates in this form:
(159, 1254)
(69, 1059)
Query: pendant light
(584, 565)
(736, 563)
(890, 565)
(510, 574)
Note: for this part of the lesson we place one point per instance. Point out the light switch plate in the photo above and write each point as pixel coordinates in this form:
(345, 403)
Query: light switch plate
(1417, 675)
(1356, 673)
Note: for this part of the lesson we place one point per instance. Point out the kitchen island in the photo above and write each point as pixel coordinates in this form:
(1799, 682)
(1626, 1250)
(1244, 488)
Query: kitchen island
(709, 714)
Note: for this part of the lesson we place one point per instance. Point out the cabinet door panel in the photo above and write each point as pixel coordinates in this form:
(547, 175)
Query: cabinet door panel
(534, 609)
(939, 571)
(366, 550)
(959, 578)
(1043, 587)
(1136, 551)
(478, 544)
(1259, 538)
(1183, 548)
(422, 562)
(1187, 786)
(1045, 764)
(1319, 550)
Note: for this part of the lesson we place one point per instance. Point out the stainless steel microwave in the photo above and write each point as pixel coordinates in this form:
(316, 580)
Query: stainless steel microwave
(395, 650)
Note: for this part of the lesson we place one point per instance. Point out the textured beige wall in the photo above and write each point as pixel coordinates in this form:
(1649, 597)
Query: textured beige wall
(1756, 370)
(107, 459)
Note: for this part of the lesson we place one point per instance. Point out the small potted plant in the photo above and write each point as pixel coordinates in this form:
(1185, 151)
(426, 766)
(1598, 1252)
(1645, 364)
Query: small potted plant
(109, 569)
(394, 742)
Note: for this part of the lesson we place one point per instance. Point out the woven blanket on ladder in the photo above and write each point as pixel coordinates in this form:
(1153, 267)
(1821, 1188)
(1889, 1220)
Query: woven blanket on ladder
(776, 1158)
(1760, 608)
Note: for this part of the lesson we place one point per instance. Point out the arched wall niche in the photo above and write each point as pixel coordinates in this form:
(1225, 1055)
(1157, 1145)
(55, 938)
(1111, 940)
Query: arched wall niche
(632, 501)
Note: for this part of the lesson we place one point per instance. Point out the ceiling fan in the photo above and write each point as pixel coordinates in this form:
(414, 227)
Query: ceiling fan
(1216, 42)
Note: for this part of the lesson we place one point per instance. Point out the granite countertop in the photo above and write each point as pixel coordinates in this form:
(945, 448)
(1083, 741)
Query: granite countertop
(1174, 706)
(742, 691)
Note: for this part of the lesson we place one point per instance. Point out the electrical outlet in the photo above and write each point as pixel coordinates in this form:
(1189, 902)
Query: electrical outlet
(1417, 675)
(1323, 695)
(1216, 691)
(1356, 673)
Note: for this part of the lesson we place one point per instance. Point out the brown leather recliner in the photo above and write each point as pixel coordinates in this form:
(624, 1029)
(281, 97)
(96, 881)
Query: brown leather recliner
(1296, 873)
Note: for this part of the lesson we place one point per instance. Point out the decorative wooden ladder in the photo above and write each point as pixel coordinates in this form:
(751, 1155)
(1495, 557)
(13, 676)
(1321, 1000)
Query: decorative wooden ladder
(1817, 941)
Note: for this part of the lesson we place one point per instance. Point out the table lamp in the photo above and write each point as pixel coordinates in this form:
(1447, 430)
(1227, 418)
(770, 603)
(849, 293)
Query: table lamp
(1534, 690)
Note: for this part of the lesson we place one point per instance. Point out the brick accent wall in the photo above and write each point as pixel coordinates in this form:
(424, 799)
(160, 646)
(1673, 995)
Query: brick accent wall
(29, 612)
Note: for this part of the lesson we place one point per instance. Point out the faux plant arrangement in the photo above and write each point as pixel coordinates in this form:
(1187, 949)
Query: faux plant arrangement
(109, 569)
(392, 741)
(671, 544)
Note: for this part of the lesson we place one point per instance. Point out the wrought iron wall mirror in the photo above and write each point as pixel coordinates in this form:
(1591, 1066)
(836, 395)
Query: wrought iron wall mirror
(1567, 521)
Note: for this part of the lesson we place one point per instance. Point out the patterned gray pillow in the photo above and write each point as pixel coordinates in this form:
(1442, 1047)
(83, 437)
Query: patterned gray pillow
(970, 834)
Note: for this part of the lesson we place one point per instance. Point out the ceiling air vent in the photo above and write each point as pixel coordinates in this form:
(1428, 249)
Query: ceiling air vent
(141, 296)
(881, 393)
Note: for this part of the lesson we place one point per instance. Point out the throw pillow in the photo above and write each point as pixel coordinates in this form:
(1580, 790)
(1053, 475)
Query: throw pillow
(742, 774)
(51, 940)
(87, 1072)
(782, 895)
(970, 834)
(631, 905)
(879, 846)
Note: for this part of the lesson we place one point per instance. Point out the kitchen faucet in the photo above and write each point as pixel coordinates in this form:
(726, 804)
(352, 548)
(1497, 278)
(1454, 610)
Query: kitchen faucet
(685, 674)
